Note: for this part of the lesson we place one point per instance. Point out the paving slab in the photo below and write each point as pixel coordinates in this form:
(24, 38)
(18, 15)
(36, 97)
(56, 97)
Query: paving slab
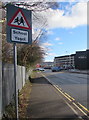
(46, 103)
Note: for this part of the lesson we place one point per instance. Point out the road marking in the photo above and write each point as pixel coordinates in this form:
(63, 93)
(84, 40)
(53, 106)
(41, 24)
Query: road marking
(62, 93)
(74, 110)
(73, 102)
(83, 107)
(60, 72)
(68, 97)
(46, 78)
(76, 113)
(73, 99)
(80, 110)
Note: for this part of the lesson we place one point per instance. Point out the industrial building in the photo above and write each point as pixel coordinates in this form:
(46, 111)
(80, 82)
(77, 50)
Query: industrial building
(79, 60)
(82, 60)
(66, 61)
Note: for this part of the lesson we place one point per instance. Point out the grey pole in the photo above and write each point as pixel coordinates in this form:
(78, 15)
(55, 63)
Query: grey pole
(1, 65)
(15, 80)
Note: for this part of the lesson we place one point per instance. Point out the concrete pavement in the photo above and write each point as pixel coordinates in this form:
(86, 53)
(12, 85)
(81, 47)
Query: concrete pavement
(46, 102)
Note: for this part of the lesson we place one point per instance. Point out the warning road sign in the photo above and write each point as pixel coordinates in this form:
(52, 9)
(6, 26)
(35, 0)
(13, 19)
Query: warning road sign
(19, 25)
(19, 20)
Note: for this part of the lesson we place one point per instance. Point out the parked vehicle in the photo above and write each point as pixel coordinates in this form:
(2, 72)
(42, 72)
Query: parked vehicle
(56, 69)
(39, 69)
(47, 67)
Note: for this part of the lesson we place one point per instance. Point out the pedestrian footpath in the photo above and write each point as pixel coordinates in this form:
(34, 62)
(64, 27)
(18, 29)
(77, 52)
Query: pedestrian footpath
(47, 103)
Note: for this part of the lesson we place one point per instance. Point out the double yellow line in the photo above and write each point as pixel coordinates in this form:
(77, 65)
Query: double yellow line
(78, 105)
(71, 99)
(64, 94)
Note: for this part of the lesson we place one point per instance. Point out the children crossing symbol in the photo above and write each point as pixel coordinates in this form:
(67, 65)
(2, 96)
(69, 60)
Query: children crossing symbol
(19, 20)
(19, 25)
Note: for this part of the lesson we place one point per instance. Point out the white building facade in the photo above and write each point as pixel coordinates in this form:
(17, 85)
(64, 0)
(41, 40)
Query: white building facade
(65, 61)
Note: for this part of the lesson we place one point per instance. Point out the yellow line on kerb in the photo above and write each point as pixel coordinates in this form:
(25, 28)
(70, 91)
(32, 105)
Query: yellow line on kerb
(80, 110)
(62, 93)
(69, 96)
(65, 94)
(84, 107)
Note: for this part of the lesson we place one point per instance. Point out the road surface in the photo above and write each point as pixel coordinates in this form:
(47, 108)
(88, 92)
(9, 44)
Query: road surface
(73, 84)
(47, 103)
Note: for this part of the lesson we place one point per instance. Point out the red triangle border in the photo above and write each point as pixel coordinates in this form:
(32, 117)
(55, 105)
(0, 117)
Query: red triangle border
(9, 23)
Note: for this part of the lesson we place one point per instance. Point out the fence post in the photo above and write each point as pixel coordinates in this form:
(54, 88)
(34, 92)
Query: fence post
(0, 87)
(0, 90)
(0, 61)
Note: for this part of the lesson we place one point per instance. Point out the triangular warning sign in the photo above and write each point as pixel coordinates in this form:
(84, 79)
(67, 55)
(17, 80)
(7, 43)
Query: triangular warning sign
(19, 20)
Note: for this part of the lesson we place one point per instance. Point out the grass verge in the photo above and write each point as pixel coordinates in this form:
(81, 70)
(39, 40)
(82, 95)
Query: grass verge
(24, 96)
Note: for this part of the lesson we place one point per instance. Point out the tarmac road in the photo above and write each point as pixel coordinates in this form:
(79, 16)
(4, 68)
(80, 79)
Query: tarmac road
(72, 83)
(46, 102)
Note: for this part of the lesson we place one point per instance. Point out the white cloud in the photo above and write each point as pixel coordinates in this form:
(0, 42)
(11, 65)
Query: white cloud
(76, 17)
(49, 32)
(60, 43)
(83, 49)
(46, 44)
(57, 38)
(35, 33)
(56, 19)
(52, 54)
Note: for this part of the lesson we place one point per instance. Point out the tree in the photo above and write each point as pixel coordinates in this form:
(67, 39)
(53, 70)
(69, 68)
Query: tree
(30, 54)
(7, 48)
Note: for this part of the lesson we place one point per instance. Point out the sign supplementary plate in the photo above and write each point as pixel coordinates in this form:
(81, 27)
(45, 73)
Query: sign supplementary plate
(19, 35)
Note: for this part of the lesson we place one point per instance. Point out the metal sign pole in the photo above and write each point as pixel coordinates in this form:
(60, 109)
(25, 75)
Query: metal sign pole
(15, 80)
(19, 30)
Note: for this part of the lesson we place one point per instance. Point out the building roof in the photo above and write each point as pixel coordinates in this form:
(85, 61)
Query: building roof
(65, 56)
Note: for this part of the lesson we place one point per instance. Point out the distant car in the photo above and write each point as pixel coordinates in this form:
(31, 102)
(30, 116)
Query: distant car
(39, 69)
(55, 69)
(47, 67)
